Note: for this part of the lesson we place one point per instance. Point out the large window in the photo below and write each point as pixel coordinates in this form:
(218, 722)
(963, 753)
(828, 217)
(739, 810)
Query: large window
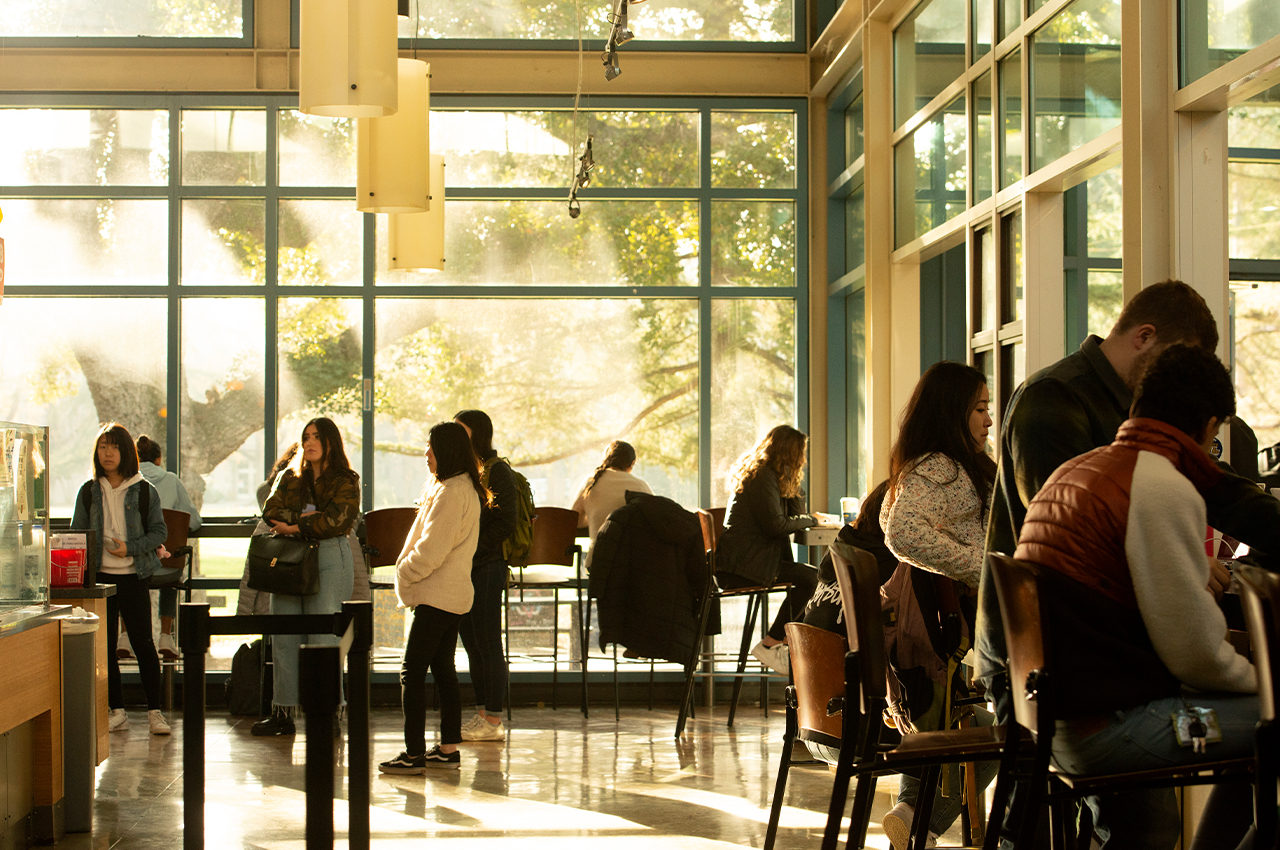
(1213, 32)
(132, 20)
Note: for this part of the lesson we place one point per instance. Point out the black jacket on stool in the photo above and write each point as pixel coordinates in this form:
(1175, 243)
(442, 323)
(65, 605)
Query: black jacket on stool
(648, 572)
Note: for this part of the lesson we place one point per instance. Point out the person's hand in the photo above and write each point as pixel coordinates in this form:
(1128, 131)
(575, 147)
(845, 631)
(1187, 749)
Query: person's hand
(280, 528)
(120, 550)
(162, 552)
(1219, 577)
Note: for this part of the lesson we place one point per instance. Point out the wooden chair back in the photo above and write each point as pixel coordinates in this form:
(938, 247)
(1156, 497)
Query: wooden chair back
(817, 670)
(717, 514)
(173, 569)
(555, 533)
(385, 531)
(1018, 591)
(710, 531)
(859, 579)
(1260, 597)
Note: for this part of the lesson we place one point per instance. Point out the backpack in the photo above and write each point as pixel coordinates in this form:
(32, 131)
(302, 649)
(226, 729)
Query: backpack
(244, 685)
(516, 547)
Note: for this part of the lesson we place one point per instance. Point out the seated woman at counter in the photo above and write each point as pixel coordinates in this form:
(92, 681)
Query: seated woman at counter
(606, 490)
(124, 552)
(766, 506)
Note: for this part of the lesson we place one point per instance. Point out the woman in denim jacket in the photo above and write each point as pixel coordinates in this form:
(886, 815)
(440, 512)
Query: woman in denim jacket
(124, 552)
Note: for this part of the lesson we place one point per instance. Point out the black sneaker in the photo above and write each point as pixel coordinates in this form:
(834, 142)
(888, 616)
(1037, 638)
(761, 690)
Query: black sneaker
(275, 725)
(406, 764)
(448, 761)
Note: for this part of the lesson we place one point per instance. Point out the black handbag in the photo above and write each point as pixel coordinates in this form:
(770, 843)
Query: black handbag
(289, 565)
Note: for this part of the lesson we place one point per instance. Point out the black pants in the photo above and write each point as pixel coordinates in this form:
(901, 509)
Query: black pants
(804, 580)
(433, 637)
(132, 603)
(481, 630)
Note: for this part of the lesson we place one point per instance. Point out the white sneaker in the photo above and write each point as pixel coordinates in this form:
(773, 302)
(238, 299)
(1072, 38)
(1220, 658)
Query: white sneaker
(472, 724)
(777, 657)
(117, 719)
(159, 726)
(167, 648)
(485, 731)
(123, 648)
(897, 827)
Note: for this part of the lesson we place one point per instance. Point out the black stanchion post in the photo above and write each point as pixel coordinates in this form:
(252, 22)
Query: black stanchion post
(193, 635)
(359, 767)
(319, 670)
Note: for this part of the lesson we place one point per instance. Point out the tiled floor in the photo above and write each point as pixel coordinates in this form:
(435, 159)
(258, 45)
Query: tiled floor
(559, 781)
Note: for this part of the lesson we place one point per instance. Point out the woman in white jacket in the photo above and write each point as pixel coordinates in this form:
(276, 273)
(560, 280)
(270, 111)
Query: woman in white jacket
(433, 577)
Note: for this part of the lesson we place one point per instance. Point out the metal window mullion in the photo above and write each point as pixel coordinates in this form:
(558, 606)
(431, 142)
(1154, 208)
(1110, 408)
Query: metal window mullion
(368, 352)
(801, 274)
(704, 309)
(173, 337)
(271, 282)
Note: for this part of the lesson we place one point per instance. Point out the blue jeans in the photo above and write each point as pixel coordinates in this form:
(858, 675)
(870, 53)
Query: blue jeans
(947, 809)
(481, 630)
(337, 573)
(1142, 738)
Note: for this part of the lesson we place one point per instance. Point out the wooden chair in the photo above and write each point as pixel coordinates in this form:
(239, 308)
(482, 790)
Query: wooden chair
(175, 570)
(1260, 598)
(757, 598)
(817, 668)
(385, 531)
(555, 543)
(861, 753)
(1029, 637)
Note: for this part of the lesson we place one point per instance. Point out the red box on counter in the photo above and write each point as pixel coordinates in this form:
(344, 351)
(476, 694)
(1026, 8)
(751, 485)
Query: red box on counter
(68, 559)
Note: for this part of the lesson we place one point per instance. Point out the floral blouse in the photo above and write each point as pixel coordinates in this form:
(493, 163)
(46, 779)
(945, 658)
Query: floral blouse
(936, 521)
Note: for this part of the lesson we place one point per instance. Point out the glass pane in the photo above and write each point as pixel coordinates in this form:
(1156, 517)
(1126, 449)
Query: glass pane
(655, 20)
(932, 173)
(1011, 275)
(1255, 352)
(1216, 31)
(319, 346)
(223, 241)
(538, 148)
(535, 243)
(558, 393)
(65, 364)
(74, 19)
(1106, 299)
(1256, 122)
(856, 461)
(985, 362)
(321, 242)
(928, 52)
(103, 242)
(1013, 371)
(1254, 216)
(753, 381)
(222, 402)
(1011, 109)
(1106, 215)
(1077, 78)
(224, 147)
(84, 147)
(983, 23)
(316, 151)
(853, 130)
(753, 243)
(1010, 16)
(753, 150)
(984, 120)
(855, 230)
(984, 308)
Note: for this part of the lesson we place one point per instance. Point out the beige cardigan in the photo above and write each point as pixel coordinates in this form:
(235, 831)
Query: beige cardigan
(434, 567)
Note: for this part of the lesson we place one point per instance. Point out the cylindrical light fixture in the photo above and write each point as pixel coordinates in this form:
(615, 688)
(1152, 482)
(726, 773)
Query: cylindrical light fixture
(392, 153)
(347, 66)
(416, 240)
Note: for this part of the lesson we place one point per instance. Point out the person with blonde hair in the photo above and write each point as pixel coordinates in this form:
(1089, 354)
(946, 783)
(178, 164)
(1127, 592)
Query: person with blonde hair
(606, 490)
(766, 505)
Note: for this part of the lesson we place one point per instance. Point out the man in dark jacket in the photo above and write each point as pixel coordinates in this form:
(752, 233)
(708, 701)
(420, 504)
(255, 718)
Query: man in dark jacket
(648, 572)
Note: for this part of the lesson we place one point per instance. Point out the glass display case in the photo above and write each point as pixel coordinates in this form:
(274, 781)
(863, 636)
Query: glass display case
(24, 515)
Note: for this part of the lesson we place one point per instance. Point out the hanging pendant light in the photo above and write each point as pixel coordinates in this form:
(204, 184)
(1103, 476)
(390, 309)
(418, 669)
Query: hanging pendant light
(416, 240)
(347, 66)
(392, 153)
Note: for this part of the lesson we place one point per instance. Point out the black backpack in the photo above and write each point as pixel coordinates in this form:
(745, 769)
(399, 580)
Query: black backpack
(245, 686)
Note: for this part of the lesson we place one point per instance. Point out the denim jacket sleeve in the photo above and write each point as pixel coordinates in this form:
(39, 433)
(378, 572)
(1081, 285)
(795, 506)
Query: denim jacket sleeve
(153, 531)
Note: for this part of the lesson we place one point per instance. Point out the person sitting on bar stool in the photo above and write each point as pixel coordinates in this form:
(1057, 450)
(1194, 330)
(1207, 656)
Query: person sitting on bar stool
(766, 506)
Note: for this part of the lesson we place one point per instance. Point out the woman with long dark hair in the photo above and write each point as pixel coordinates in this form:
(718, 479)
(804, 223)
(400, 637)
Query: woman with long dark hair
(934, 516)
(481, 627)
(606, 490)
(766, 505)
(124, 553)
(433, 578)
(317, 497)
